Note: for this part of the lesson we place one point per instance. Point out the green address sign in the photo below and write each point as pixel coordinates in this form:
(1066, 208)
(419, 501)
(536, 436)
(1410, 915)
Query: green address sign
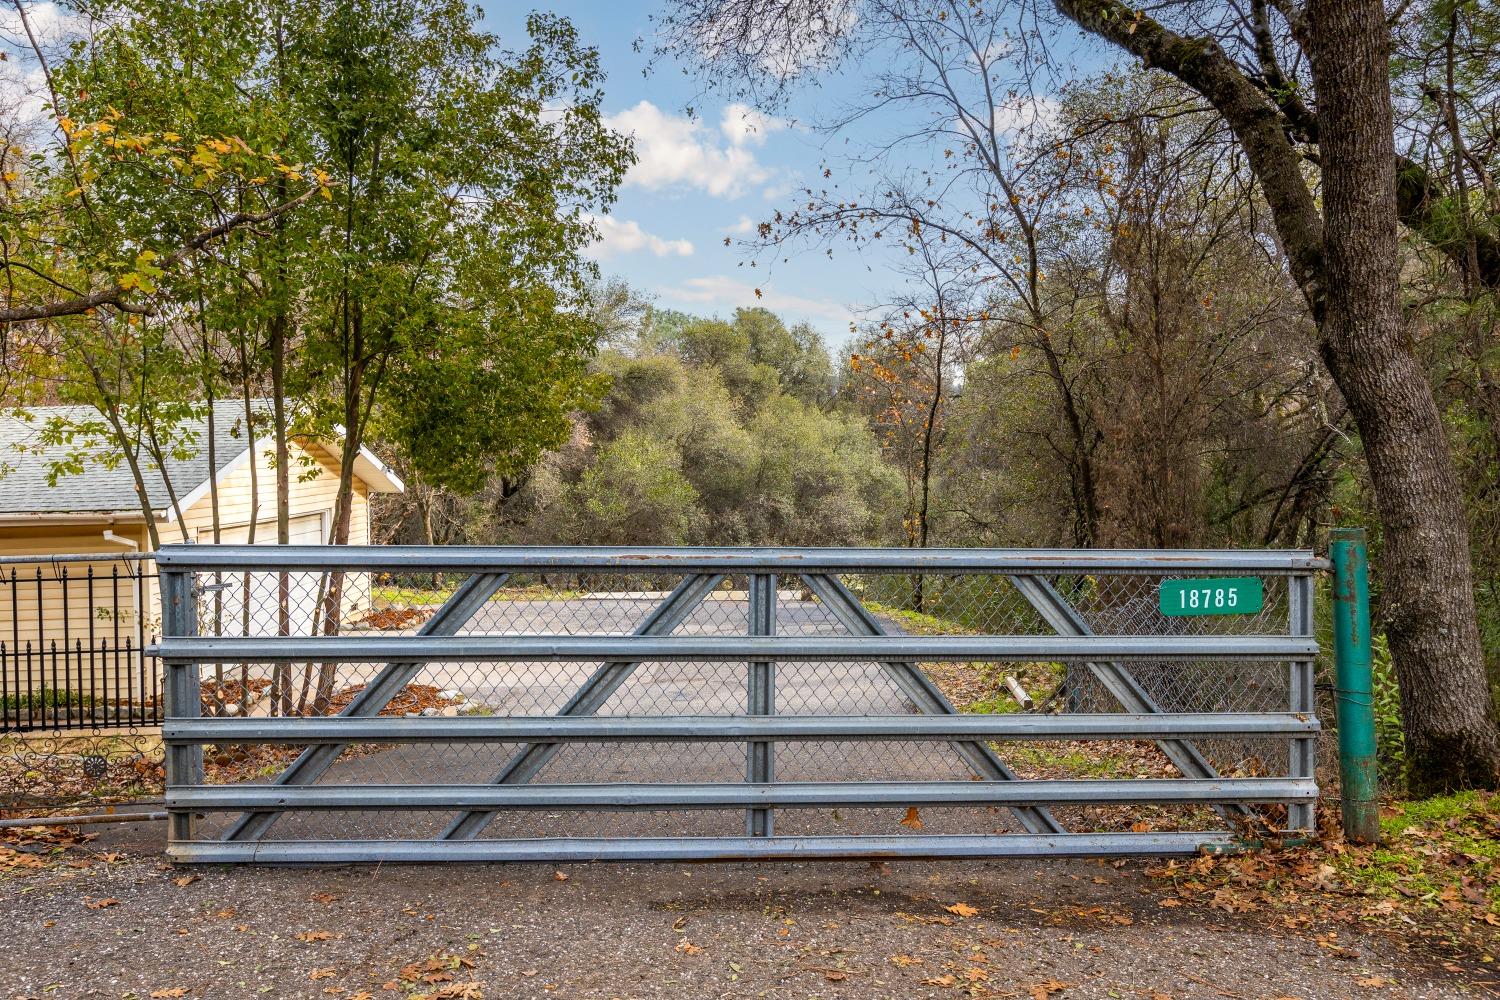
(1239, 595)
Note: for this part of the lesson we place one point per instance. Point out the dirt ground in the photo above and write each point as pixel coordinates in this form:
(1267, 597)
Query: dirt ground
(120, 923)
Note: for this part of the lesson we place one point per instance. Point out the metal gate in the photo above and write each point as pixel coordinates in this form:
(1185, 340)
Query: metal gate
(577, 704)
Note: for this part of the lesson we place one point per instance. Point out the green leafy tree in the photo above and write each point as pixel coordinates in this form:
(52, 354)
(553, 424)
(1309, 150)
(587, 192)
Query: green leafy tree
(696, 441)
(635, 493)
(102, 202)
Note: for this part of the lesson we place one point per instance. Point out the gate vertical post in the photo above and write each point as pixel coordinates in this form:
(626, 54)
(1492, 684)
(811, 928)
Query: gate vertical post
(184, 764)
(761, 697)
(1302, 816)
(1353, 686)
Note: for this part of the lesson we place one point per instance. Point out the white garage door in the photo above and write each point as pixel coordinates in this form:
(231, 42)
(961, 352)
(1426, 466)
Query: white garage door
(261, 614)
(305, 530)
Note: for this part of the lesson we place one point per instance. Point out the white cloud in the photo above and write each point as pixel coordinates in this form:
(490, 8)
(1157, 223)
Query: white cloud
(743, 125)
(676, 151)
(23, 95)
(52, 23)
(743, 226)
(996, 51)
(727, 293)
(1024, 114)
(618, 237)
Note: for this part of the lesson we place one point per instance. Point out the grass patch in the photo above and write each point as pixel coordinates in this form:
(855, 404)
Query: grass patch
(999, 703)
(1050, 761)
(1441, 852)
(383, 595)
(920, 623)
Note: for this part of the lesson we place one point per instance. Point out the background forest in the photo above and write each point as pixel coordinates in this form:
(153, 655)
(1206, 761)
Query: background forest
(376, 216)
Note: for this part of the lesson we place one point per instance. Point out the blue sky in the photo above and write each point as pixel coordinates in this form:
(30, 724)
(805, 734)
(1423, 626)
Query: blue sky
(702, 179)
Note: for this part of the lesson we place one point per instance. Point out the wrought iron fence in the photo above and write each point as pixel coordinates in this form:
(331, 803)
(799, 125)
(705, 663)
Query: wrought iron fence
(80, 698)
(417, 703)
(73, 637)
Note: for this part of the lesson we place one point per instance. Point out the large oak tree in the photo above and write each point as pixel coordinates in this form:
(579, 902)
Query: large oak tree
(1323, 153)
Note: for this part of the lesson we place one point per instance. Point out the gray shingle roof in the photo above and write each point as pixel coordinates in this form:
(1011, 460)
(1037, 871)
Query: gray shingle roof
(25, 463)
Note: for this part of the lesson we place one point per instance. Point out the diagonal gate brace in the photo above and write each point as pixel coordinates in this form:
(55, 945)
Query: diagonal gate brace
(315, 761)
(919, 689)
(1121, 684)
(589, 698)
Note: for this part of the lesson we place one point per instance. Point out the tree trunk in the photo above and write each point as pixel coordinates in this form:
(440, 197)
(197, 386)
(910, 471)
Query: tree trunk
(1427, 594)
(1347, 267)
(343, 511)
(281, 677)
(249, 403)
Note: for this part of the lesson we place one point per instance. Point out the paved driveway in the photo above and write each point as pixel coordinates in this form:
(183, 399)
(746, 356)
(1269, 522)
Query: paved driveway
(692, 688)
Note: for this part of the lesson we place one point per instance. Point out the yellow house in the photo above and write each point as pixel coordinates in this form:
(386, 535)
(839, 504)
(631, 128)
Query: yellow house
(61, 498)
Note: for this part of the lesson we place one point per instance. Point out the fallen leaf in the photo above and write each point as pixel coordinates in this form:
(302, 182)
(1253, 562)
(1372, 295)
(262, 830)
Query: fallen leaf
(186, 880)
(559, 876)
(327, 973)
(906, 961)
(1373, 982)
(687, 947)
(941, 981)
(323, 897)
(453, 991)
(99, 904)
(1041, 991)
(834, 975)
(962, 910)
(913, 818)
(174, 991)
(310, 936)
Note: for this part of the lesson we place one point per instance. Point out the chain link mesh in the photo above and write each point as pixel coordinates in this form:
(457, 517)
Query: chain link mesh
(312, 604)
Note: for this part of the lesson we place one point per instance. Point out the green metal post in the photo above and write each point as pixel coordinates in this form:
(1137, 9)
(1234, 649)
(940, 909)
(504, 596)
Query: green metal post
(1353, 686)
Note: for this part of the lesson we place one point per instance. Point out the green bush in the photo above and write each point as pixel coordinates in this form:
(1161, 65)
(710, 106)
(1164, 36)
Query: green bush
(44, 699)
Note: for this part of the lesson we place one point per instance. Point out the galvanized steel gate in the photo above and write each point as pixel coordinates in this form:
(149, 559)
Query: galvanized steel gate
(644, 704)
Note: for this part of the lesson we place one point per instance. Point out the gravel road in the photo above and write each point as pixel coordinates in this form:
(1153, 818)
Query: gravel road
(135, 928)
(839, 930)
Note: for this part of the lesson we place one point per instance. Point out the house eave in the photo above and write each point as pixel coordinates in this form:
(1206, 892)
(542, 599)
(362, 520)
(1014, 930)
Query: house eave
(35, 518)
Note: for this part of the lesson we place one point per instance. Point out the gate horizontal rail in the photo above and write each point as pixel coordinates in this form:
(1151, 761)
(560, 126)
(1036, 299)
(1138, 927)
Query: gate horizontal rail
(587, 649)
(607, 559)
(783, 795)
(781, 728)
(837, 685)
(583, 850)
